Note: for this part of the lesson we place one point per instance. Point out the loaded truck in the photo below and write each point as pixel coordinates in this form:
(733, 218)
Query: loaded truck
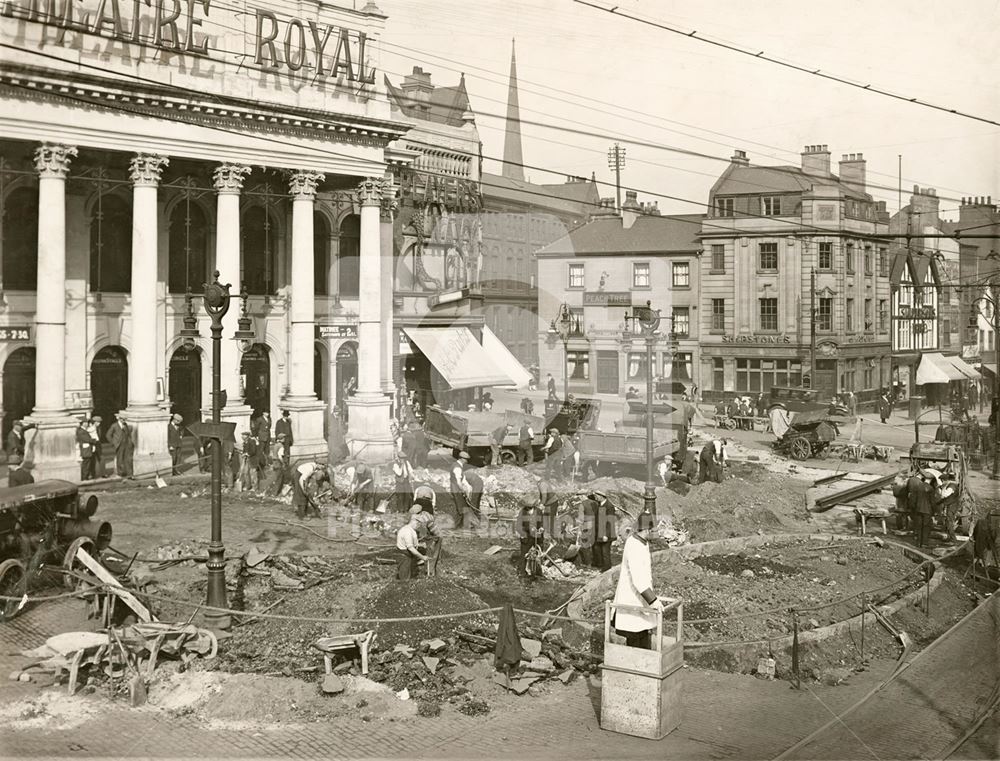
(471, 431)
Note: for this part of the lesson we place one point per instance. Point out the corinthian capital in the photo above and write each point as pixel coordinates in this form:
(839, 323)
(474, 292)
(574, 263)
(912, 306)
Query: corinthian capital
(302, 184)
(145, 169)
(229, 177)
(370, 191)
(52, 159)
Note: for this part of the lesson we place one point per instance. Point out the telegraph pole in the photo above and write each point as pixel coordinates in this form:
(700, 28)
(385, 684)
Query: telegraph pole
(616, 161)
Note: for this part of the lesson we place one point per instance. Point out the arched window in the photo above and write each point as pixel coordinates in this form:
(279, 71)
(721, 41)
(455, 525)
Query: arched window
(260, 238)
(188, 248)
(20, 240)
(348, 261)
(321, 254)
(111, 245)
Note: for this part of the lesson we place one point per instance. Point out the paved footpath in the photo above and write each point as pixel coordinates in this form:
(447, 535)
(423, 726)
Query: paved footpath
(920, 713)
(929, 705)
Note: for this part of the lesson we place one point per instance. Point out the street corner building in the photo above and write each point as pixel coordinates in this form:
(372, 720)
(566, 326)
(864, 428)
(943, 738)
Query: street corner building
(146, 145)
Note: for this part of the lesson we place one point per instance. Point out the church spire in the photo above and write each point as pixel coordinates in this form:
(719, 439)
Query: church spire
(513, 159)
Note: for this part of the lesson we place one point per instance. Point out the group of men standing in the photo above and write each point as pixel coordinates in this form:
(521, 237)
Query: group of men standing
(120, 435)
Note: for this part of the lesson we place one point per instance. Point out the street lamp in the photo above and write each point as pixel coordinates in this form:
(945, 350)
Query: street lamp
(993, 301)
(644, 322)
(563, 326)
(190, 330)
(217, 298)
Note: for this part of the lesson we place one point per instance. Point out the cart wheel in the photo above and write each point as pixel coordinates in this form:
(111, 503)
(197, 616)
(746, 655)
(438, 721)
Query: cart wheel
(799, 449)
(729, 424)
(70, 563)
(13, 583)
(508, 457)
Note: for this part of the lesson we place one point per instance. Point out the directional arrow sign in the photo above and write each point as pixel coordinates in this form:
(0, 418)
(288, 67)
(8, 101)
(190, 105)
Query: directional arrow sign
(224, 432)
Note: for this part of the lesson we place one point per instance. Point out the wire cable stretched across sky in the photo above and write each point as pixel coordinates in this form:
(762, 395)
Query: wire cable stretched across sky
(762, 56)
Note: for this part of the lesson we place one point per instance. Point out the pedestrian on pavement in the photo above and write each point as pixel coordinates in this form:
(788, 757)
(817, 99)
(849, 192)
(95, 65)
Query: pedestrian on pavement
(918, 493)
(407, 546)
(553, 460)
(19, 472)
(530, 530)
(635, 587)
(550, 385)
(120, 438)
(15, 439)
(884, 406)
(94, 429)
(525, 441)
(262, 432)
(605, 530)
(285, 426)
(86, 449)
(497, 438)
(458, 486)
(307, 477)
(403, 486)
(174, 438)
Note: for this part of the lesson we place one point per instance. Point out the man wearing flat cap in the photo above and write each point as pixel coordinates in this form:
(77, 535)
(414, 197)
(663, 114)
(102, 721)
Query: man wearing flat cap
(174, 436)
(407, 546)
(458, 486)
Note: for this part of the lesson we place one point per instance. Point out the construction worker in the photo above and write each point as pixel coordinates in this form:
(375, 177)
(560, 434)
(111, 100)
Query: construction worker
(407, 546)
(918, 494)
(553, 460)
(525, 440)
(605, 531)
(363, 488)
(497, 438)
(531, 532)
(307, 477)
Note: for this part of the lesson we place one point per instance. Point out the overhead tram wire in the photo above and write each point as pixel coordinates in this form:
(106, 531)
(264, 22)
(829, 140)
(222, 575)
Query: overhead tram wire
(811, 230)
(382, 41)
(762, 56)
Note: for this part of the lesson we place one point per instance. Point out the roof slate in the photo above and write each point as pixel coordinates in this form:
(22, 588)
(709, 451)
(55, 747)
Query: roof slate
(676, 233)
(757, 180)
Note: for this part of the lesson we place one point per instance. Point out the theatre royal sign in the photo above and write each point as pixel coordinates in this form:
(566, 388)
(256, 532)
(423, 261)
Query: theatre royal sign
(196, 36)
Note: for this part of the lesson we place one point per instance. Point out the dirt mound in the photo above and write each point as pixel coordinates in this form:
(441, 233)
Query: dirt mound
(424, 597)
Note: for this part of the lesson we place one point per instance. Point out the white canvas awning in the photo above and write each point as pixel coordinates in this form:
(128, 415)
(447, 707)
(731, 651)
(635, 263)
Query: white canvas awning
(965, 368)
(459, 357)
(505, 360)
(936, 368)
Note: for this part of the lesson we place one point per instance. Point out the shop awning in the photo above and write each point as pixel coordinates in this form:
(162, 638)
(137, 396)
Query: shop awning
(505, 360)
(965, 368)
(459, 357)
(936, 368)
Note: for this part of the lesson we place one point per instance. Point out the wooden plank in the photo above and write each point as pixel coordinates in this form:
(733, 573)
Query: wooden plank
(114, 586)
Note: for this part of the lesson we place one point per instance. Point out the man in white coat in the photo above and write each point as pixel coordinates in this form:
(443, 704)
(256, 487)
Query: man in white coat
(635, 587)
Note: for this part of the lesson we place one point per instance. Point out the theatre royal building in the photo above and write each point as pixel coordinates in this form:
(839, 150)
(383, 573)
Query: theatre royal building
(145, 144)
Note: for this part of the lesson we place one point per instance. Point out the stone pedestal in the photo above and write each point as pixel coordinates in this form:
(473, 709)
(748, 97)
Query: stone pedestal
(308, 441)
(368, 435)
(51, 448)
(151, 456)
(237, 413)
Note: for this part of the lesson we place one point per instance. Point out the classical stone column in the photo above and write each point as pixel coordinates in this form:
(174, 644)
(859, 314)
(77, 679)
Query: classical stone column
(388, 213)
(368, 422)
(144, 414)
(53, 447)
(307, 412)
(228, 184)
(145, 174)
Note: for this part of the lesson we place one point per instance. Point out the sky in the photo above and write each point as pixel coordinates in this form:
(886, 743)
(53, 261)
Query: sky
(588, 71)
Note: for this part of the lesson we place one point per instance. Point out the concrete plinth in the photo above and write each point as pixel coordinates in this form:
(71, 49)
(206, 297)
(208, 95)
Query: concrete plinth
(368, 435)
(51, 448)
(151, 457)
(308, 441)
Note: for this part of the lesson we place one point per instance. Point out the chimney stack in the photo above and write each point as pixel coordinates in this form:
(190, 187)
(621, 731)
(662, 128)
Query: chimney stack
(631, 209)
(816, 160)
(417, 88)
(852, 171)
(740, 158)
